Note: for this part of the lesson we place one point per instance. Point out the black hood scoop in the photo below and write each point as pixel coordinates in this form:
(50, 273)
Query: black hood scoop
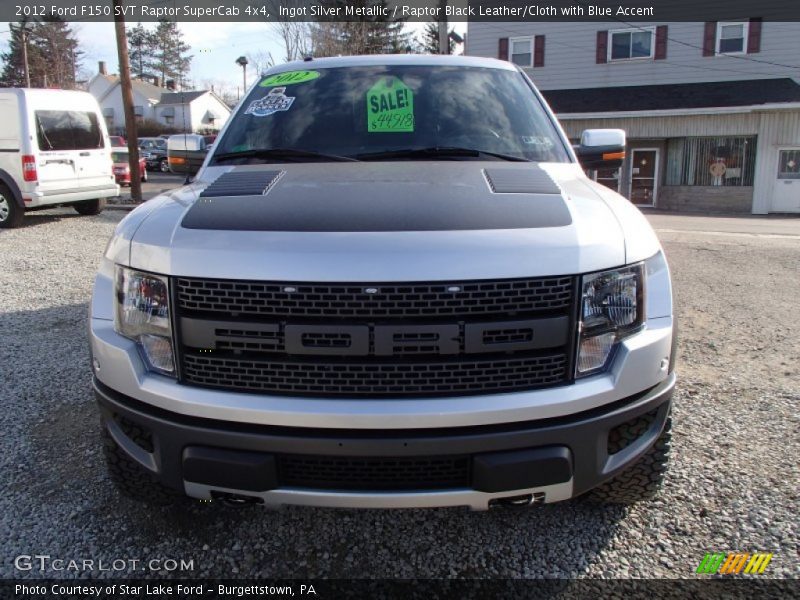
(242, 183)
(380, 197)
(531, 180)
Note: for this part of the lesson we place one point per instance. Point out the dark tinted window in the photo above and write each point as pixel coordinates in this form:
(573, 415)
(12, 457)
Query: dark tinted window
(67, 130)
(359, 110)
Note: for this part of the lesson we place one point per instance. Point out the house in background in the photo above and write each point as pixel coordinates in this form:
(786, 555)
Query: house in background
(196, 111)
(711, 110)
(108, 92)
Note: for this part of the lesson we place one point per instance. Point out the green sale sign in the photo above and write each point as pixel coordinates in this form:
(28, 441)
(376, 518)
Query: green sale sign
(390, 107)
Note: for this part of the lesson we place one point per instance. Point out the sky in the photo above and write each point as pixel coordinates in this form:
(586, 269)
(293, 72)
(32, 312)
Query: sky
(215, 47)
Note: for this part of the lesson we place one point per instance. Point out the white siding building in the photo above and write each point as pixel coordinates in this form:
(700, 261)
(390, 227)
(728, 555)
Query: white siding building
(108, 92)
(712, 110)
(198, 111)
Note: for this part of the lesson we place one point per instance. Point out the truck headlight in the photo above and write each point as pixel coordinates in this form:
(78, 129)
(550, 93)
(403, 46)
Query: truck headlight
(612, 308)
(142, 314)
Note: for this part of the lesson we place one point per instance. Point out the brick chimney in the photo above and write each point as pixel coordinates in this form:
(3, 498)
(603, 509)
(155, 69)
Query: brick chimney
(101, 67)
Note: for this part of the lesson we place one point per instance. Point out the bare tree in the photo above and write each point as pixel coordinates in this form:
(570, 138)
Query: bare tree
(296, 36)
(259, 61)
(227, 92)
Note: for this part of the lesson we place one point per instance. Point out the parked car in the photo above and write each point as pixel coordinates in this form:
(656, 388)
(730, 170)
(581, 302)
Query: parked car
(186, 152)
(122, 166)
(54, 150)
(391, 284)
(154, 151)
(117, 141)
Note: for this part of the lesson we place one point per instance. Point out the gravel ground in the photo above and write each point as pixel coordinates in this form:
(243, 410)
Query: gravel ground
(733, 484)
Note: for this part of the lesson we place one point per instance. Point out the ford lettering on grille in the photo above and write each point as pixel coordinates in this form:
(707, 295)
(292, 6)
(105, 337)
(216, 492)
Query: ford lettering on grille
(377, 340)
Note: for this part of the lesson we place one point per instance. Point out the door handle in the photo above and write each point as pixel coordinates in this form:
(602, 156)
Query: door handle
(84, 154)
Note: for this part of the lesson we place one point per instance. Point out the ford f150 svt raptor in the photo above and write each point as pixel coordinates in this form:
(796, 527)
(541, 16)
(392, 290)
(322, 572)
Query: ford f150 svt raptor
(391, 284)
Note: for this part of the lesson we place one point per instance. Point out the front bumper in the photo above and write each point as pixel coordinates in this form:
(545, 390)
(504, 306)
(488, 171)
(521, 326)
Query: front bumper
(549, 459)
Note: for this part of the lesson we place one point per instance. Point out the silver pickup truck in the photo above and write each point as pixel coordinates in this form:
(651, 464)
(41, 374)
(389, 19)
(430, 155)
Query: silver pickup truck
(391, 284)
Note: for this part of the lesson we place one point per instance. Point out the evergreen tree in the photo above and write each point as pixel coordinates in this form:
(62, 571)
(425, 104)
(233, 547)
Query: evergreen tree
(53, 55)
(141, 50)
(428, 42)
(371, 35)
(170, 53)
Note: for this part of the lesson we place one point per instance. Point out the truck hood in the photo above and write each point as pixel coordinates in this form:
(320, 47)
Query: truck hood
(398, 221)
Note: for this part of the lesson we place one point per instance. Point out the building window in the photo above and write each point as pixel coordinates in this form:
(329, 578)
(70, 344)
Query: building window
(522, 51)
(731, 38)
(711, 161)
(169, 119)
(631, 44)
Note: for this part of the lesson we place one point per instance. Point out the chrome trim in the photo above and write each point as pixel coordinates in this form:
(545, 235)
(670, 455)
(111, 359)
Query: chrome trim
(463, 497)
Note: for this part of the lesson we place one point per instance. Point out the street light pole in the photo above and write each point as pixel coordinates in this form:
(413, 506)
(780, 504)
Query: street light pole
(243, 62)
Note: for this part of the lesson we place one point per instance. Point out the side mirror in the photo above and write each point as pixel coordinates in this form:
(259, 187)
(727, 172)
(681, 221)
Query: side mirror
(601, 148)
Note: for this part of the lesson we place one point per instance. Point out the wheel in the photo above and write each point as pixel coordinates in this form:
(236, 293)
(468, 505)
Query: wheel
(90, 207)
(163, 165)
(10, 211)
(144, 175)
(642, 480)
(129, 477)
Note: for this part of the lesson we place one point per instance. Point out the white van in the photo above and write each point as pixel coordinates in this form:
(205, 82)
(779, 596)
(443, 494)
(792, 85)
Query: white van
(53, 150)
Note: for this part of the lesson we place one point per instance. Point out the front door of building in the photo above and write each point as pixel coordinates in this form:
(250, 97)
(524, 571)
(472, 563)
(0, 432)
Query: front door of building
(644, 176)
(786, 193)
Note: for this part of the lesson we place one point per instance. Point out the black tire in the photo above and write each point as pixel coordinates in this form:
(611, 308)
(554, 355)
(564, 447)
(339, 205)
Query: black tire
(90, 207)
(10, 212)
(130, 478)
(642, 480)
(163, 165)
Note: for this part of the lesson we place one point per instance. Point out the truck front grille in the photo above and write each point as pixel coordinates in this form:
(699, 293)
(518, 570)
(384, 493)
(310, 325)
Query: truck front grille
(375, 340)
(332, 301)
(374, 474)
(364, 378)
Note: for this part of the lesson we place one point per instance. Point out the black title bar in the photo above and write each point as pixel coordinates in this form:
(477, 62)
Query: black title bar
(409, 10)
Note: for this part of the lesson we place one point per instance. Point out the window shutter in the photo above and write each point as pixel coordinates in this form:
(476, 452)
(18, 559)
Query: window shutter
(710, 38)
(502, 49)
(661, 42)
(602, 47)
(754, 36)
(538, 51)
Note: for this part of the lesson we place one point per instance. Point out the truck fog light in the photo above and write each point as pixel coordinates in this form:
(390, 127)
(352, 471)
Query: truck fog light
(594, 351)
(158, 352)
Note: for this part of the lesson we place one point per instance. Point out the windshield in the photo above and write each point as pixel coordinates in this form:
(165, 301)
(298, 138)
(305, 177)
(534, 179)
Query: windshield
(365, 112)
(119, 157)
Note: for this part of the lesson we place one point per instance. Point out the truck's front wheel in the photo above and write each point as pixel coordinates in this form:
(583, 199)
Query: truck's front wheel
(130, 478)
(641, 481)
(90, 207)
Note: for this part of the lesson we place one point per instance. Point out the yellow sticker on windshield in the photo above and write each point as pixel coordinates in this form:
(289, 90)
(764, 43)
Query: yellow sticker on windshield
(390, 107)
(289, 78)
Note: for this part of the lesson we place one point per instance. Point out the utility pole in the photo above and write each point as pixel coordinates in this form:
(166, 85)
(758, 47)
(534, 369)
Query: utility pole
(127, 101)
(444, 41)
(24, 36)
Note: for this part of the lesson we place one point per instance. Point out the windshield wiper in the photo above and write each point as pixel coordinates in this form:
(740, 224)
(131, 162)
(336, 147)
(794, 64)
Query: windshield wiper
(438, 152)
(288, 154)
